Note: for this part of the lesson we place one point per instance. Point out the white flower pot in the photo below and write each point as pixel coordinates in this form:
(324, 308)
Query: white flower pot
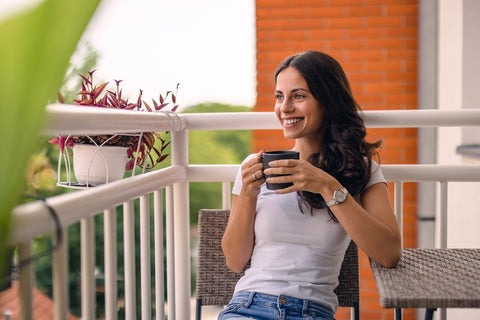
(94, 165)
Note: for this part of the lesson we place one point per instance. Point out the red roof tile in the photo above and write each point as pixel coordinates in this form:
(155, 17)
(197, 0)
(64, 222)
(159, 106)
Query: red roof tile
(42, 304)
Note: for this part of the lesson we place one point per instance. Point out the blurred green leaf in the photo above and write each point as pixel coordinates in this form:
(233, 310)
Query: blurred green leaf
(36, 49)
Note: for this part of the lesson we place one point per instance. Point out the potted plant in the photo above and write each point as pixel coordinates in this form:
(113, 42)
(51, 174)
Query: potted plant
(146, 149)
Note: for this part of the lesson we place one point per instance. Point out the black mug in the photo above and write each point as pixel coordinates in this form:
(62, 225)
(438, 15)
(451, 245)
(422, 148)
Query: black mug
(277, 155)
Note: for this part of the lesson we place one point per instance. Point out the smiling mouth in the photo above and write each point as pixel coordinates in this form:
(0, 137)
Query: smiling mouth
(292, 121)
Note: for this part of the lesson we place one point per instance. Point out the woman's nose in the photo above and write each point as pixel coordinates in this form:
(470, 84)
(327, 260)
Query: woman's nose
(287, 106)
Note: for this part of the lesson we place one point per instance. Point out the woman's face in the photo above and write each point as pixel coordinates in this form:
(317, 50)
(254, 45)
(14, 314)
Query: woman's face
(296, 108)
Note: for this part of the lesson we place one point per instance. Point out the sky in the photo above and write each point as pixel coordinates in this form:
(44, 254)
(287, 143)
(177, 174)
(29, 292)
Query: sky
(207, 46)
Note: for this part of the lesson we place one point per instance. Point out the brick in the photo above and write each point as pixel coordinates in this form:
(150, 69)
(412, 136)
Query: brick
(369, 101)
(345, 3)
(384, 88)
(411, 44)
(273, 24)
(411, 87)
(367, 33)
(353, 66)
(346, 44)
(271, 3)
(327, 34)
(287, 35)
(382, 22)
(405, 101)
(411, 21)
(302, 45)
(364, 11)
(262, 13)
(389, 2)
(308, 3)
(308, 23)
(289, 12)
(402, 10)
(385, 44)
(402, 32)
(406, 77)
(348, 22)
(327, 12)
(384, 66)
(268, 46)
(362, 77)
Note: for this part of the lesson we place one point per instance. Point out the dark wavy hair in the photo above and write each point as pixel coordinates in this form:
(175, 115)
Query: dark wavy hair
(345, 154)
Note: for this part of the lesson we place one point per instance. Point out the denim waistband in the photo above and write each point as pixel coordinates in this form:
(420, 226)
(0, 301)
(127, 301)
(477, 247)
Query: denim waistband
(281, 302)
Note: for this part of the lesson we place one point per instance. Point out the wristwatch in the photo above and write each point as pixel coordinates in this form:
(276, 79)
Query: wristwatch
(338, 197)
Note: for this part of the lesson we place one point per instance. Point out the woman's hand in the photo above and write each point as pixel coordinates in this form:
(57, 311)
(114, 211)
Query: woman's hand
(252, 174)
(303, 175)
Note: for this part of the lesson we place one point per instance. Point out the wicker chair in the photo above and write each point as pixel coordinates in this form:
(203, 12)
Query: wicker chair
(216, 283)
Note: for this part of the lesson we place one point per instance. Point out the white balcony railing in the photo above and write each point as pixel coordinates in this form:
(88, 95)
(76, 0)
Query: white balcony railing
(33, 219)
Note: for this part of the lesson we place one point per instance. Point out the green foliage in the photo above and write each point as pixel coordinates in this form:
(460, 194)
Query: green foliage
(36, 48)
(215, 107)
(214, 147)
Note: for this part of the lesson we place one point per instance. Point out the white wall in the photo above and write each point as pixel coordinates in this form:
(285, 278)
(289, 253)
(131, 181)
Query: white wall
(458, 76)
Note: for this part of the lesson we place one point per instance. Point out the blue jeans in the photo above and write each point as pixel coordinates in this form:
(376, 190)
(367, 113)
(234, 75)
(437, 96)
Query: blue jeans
(259, 306)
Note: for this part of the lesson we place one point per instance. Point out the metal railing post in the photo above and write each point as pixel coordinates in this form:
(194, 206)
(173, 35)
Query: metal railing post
(60, 278)
(26, 282)
(181, 228)
(169, 221)
(110, 247)
(441, 231)
(399, 207)
(145, 278)
(441, 222)
(87, 248)
(226, 195)
(129, 260)
(159, 255)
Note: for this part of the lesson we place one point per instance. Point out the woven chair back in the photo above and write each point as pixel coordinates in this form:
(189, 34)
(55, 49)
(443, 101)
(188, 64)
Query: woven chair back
(216, 282)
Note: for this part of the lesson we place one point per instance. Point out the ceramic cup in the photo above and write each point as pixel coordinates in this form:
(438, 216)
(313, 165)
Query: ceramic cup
(277, 155)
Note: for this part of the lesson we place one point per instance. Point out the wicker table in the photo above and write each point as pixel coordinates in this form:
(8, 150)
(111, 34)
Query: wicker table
(430, 278)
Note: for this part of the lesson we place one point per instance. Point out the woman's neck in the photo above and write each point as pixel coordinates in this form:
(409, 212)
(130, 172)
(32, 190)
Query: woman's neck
(306, 149)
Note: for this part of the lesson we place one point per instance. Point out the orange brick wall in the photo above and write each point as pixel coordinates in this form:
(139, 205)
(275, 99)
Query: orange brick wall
(376, 42)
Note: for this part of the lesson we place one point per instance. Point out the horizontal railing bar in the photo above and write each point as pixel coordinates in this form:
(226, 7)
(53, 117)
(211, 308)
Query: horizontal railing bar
(421, 118)
(64, 119)
(431, 172)
(71, 119)
(230, 121)
(392, 172)
(32, 219)
(212, 173)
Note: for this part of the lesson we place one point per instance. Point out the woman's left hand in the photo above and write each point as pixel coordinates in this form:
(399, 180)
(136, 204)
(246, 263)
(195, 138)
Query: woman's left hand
(303, 175)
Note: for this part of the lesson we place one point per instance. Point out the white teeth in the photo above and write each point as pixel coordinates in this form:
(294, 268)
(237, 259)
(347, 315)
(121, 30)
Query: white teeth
(292, 121)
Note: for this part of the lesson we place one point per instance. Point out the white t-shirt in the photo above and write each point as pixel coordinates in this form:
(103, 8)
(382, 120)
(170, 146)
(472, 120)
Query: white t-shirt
(296, 254)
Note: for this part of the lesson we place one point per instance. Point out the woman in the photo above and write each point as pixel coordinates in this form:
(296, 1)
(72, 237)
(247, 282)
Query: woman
(296, 238)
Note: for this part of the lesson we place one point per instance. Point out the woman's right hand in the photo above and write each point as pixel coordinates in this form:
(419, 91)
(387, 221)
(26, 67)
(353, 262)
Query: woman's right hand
(252, 174)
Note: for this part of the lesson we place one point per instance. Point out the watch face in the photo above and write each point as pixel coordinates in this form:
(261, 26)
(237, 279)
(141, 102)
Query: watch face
(340, 195)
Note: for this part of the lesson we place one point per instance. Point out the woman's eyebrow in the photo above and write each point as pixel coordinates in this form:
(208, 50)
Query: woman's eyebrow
(293, 90)
(299, 89)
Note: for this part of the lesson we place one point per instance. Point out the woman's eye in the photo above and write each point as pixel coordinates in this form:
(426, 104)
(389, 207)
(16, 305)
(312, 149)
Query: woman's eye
(299, 96)
(278, 96)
